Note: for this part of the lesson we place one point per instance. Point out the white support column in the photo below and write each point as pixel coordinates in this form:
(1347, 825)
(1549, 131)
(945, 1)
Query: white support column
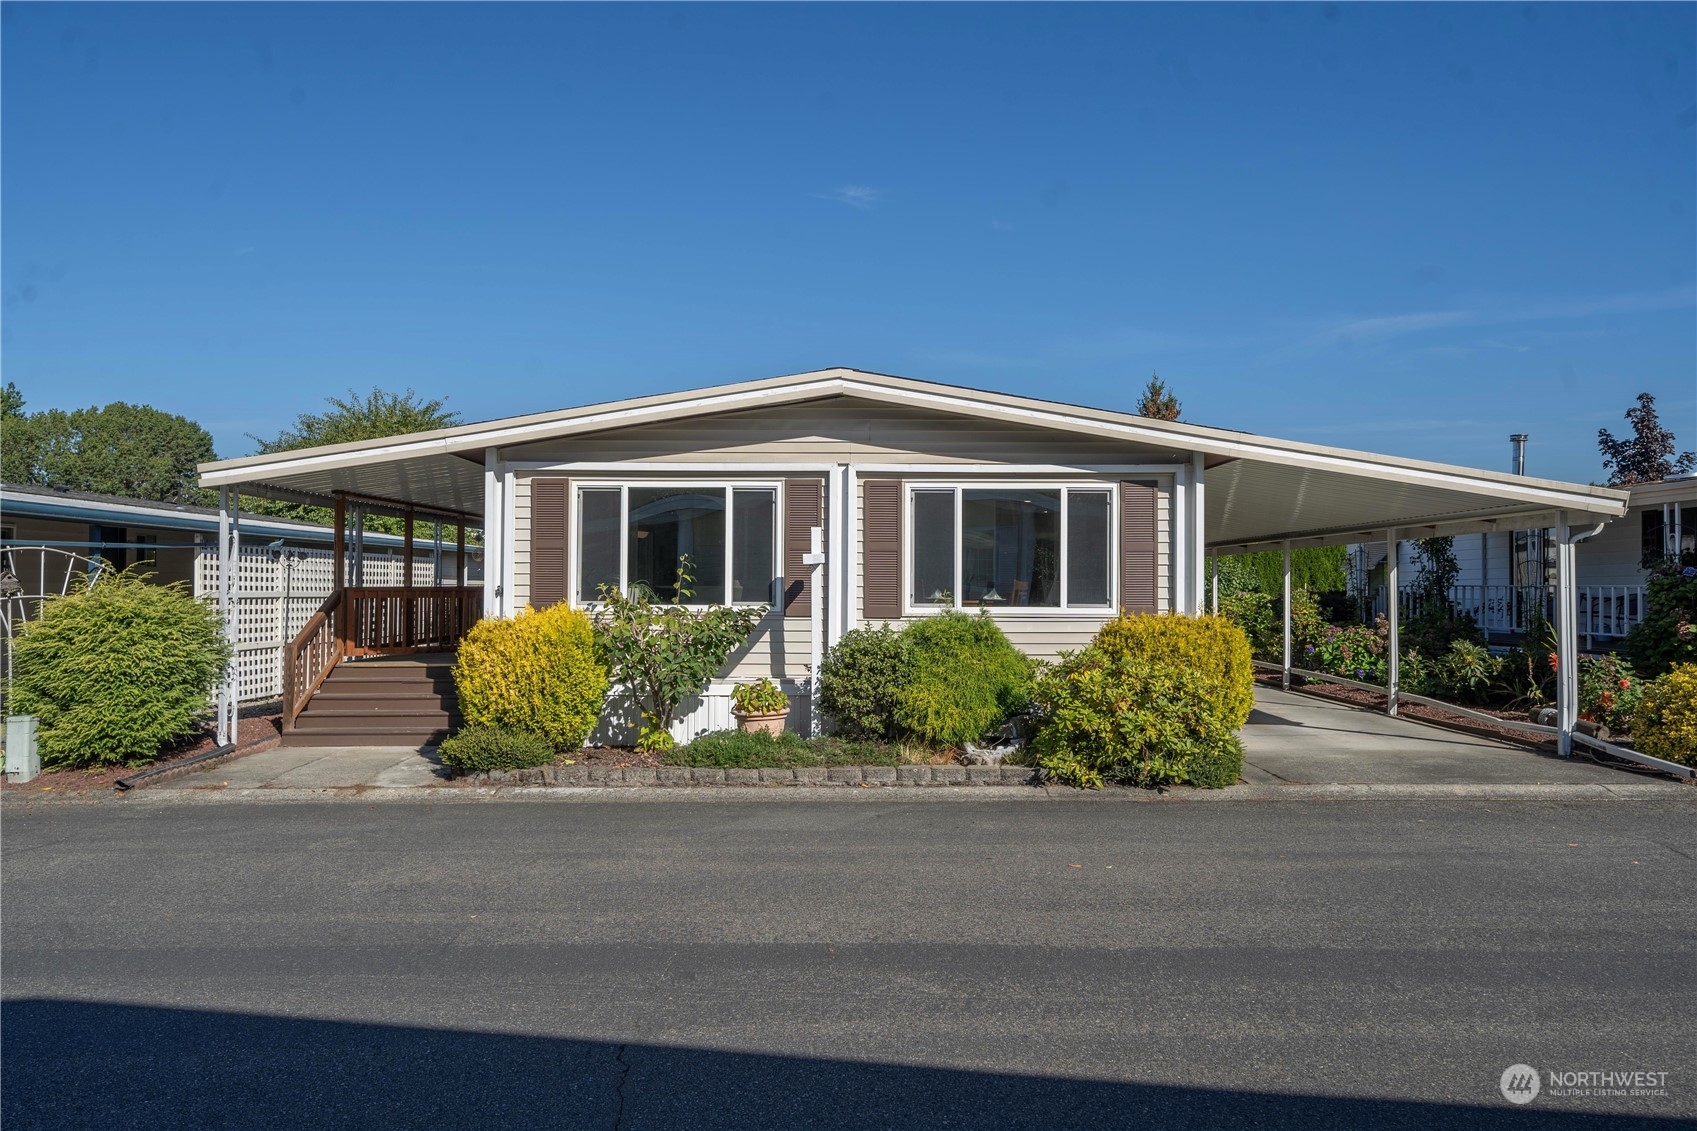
(851, 549)
(1286, 630)
(509, 565)
(494, 553)
(229, 605)
(1178, 543)
(1216, 599)
(837, 555)
(1198, 536)
(1393, 617)
(1567, 641)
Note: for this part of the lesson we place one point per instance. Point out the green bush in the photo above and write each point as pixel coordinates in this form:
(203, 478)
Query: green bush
(1354, 651)
(1668, 633)
(861, 681)
(966, 679)
(1261, 617)
(494, 748)
(755, 750)
(1665, 724)
(1152, 700)
(537, 673)
(1466, 674)
(1317, 569)
(116, 670)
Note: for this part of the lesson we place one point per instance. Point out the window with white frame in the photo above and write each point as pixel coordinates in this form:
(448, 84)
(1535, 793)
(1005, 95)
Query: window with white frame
(635, 534)
(1039, 546)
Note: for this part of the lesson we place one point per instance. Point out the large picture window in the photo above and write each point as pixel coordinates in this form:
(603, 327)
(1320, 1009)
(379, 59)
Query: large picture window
(636, 534)
(1016, 547)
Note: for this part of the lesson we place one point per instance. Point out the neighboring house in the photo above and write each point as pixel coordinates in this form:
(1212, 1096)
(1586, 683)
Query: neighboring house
(50, 538)
(921, 496)
(1506, 574)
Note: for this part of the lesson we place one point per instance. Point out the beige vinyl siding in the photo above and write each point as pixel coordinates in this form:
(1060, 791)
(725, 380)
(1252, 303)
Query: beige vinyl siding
(836, 430)
(1034, 634)
(520, 547)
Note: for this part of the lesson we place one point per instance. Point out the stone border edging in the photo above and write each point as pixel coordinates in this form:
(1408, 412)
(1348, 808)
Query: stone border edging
(622, 777)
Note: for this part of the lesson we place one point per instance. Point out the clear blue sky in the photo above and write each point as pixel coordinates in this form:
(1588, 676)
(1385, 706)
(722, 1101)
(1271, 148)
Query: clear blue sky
(1410, 229)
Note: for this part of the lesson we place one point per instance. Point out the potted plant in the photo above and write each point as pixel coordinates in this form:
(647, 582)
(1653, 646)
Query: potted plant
(760, 706)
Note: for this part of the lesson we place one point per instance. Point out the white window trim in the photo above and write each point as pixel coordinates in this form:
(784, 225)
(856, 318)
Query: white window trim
(574, 542)
(1063, 610)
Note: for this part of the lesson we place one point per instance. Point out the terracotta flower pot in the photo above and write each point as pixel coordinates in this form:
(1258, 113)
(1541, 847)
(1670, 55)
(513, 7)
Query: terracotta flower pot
(772, 724)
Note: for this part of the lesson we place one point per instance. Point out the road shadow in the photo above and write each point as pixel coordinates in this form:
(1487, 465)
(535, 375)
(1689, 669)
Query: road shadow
(93, 1065)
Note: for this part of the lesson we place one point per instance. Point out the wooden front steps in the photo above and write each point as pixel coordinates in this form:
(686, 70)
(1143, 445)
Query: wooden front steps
(391, 701)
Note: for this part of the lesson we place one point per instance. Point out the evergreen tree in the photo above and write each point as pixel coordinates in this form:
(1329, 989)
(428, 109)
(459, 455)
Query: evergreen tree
(1158, 401)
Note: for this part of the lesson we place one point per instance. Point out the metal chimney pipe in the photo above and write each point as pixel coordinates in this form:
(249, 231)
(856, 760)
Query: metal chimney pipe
(1517, 463)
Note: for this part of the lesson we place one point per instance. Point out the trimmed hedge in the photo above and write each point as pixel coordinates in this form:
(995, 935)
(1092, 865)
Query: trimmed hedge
(117, 670)
(492, 748)
(1152, 700)
(1665, 723)
(537, 673)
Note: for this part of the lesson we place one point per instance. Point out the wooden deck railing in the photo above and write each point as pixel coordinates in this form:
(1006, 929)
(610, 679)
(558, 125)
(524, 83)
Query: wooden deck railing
(373, 621)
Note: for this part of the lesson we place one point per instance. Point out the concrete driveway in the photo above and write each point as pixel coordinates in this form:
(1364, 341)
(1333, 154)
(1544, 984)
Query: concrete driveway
(1299, 739)
(319, 767)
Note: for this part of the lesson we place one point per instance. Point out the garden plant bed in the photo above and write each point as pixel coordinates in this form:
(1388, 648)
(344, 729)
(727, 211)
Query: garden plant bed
(258, 727)
(657, 775)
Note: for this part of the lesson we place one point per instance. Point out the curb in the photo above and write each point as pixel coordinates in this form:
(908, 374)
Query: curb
(672, 777)
(866, 792)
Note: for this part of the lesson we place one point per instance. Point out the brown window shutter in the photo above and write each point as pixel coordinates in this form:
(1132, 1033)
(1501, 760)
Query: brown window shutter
(1139, 546)
(550, 514)
(881, 555)
(804, 508)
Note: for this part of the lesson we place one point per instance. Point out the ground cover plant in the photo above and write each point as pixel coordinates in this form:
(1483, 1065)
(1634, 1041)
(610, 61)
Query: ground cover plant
(116, 669)
(494, 748)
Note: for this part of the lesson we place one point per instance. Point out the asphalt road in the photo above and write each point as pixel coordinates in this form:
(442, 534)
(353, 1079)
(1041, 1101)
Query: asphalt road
(993, 964)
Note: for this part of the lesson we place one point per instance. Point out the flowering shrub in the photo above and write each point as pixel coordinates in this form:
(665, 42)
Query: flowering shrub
(1260, 618)
(1353, 651)
(1668, 633)
(1665, 724)
(1609, 691)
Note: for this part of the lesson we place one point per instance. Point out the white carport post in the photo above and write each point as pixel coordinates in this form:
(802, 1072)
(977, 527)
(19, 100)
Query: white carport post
(494, 544)
(1198, 560)
(1567, 641)
(229, 565)
(1393, 619)
(1286, 682)
(1216, 596)
(815, 562)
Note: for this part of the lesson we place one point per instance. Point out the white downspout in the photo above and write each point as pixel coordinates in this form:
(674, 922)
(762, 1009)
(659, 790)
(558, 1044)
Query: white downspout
(815, 560)
(1567, 632)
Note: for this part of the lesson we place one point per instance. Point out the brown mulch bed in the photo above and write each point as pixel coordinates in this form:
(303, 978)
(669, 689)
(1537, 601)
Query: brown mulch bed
(1376, 700)
(258, 727)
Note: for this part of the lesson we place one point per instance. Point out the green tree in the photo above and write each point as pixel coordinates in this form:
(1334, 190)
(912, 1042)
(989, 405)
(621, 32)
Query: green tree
(1158, 401)
(1319, 569)
(11, 402)
(1647, 456)
(121, 449)
(371, 416)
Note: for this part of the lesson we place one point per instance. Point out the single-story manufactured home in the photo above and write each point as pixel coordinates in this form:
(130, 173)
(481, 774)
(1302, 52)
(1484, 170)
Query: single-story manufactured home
(841, 497)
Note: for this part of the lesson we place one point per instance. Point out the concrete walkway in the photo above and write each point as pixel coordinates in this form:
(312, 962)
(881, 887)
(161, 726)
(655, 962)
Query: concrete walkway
(1300, 739)
(1296, 745)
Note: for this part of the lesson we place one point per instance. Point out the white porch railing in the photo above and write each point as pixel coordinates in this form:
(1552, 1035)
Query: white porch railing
(1606, 612)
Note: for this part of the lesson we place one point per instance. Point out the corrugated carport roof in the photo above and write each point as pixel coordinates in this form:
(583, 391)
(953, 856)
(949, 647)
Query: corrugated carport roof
(1260, 490)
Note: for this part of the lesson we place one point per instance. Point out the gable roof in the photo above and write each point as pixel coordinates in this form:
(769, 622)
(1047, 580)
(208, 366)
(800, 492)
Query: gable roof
(1259, 488)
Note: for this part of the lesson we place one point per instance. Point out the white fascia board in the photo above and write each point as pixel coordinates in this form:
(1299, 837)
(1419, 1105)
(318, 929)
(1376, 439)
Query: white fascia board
(1190, 438)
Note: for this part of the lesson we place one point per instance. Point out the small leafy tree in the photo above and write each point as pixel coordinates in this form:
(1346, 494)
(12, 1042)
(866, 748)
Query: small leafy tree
(667, 652)
(1647, 456)
(117, 669)
(1158, 401)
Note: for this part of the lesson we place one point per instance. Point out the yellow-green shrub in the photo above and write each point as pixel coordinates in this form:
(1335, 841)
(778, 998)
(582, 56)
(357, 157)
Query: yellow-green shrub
(1153, 699)
(1212, 646)
(537, 673)
(1665, 723)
